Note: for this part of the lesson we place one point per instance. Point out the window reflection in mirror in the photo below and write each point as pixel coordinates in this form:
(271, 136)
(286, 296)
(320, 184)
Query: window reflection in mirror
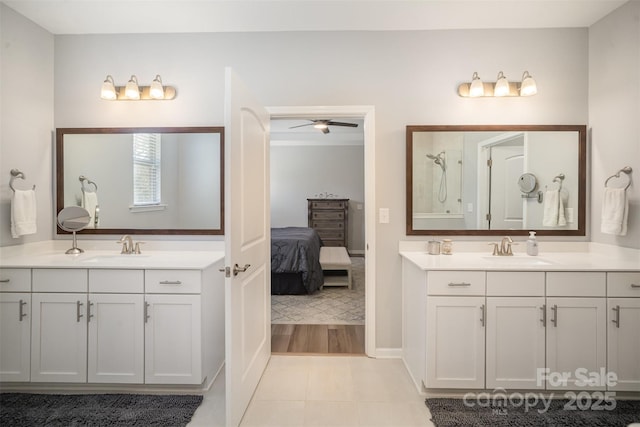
(143, 180)
(466, 179)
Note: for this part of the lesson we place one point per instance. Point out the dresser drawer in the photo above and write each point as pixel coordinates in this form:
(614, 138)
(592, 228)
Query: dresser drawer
(576, 284)
(325, 225)
(116, 281)
(59, 280)
(456, 283)
(515, 283)
(327, 215)
(328, 204)
(172, 281)
(623, 284)
(15, 280)
(330, 234)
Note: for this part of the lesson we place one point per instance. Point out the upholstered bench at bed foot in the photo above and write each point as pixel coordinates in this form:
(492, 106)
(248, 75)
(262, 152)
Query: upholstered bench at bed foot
(335, 258)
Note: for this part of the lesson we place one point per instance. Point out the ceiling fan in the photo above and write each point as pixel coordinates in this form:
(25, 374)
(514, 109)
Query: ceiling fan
(323, 124)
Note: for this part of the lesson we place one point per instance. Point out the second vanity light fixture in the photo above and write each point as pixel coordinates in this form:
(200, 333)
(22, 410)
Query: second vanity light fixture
(133, 92)
(502, 87)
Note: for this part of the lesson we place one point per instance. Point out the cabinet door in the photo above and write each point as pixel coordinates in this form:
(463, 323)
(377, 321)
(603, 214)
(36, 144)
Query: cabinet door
(15, 336)
(173, 339)
(515, 342)
(116, 338)
(624, 343)
(455, 342)
(576, 340)
(59, 338)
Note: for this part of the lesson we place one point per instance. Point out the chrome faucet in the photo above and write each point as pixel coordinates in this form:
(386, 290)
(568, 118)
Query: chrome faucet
(127, 244)
(504, 247)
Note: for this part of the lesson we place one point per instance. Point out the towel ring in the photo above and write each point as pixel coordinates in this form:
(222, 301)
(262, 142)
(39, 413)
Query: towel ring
(82, 180)
(15, 174)
(627, 170)
(558, 178)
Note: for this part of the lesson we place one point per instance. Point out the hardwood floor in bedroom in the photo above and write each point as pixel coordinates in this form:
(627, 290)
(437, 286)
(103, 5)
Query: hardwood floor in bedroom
(317, 339)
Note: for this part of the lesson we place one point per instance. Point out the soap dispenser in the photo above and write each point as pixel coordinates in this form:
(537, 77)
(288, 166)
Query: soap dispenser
(532, 244)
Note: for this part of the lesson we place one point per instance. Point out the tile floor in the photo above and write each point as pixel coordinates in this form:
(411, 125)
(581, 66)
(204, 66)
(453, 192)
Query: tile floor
(344, 391)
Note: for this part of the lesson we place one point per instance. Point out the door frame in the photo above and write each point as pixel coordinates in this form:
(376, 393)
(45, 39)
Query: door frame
(366, 112)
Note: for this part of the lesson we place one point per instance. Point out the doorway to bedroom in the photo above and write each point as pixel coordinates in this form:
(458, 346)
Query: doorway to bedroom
(318, 186)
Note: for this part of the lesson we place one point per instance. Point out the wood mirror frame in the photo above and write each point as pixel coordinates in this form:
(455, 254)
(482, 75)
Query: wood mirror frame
(60, 196)
(582, 181)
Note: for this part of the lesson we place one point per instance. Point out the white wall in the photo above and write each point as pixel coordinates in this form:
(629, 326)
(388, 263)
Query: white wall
(614, 113)
(26, 119)
(410, 77)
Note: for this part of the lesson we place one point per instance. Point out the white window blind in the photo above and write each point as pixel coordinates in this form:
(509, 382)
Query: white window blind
(146, 169)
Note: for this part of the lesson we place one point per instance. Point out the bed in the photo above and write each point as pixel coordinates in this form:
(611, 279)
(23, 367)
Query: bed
(295, 261)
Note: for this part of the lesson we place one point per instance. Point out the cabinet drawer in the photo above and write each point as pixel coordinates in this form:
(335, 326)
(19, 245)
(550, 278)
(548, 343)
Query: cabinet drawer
(576, 284)
(323, 225)
(59, 280)
(116, 281)
(15, 280)
(455, 283)
(623, 284)
(515, 283)
(330, 234)
(172, 281)
(328, 204)
(327, 215)
(330, 242)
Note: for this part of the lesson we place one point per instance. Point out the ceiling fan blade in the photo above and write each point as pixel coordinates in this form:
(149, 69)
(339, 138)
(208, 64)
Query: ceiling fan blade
(332, 123)
(299, 126)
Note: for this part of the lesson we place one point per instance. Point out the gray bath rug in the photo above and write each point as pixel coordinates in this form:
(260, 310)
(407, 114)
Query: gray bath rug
(455, 413)
(28, 410)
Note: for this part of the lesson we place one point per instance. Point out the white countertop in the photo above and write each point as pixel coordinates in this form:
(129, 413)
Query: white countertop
(51, 254)
(591, 257)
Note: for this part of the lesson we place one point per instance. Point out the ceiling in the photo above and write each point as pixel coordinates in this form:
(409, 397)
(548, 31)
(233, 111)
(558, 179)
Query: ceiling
(193, 16)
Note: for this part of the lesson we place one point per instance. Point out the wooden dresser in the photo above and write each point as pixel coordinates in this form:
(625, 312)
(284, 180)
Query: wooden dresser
(329, 217)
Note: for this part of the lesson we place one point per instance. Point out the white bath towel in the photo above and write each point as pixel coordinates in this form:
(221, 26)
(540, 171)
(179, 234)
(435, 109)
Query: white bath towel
(615, 211)
(90, 203)
(553, 210)
(23, 213)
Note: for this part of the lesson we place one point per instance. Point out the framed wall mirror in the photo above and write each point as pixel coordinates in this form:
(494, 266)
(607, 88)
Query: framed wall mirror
(496, 179)
(156, 180)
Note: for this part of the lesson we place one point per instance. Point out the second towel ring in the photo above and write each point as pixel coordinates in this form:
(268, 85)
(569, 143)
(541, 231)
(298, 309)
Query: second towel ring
(82, 180)
(627, 170)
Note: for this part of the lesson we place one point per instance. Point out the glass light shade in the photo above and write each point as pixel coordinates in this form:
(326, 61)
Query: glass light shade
(477, 87)
(320, 126)
(156, 91)
(131, 91)
(528, 86)
(108, 89)
(502, 85)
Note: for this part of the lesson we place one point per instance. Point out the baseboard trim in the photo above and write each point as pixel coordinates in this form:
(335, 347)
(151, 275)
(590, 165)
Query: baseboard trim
(388, 353)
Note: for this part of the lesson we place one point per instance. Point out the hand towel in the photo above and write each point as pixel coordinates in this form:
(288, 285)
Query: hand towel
(90, 203)
(562, 220)
(23, 213)
(615, 211)
(551, 209)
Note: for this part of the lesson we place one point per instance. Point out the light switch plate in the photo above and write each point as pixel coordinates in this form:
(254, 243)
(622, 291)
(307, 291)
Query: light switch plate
(384, 215)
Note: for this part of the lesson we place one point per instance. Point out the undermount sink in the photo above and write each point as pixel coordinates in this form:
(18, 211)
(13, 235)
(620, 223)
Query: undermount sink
(517, 260)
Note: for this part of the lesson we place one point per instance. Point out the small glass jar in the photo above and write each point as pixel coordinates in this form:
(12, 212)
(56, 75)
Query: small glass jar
(447, 247)
(433, 247)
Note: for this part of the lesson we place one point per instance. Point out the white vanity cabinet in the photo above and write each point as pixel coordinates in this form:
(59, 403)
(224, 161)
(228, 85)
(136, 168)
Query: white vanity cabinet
(15, 324)
(59, 325)
(623, 337)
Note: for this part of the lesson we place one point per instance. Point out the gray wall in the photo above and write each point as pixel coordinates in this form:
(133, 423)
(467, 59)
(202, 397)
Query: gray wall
(614, 110)
(299, 172)
(410, 77)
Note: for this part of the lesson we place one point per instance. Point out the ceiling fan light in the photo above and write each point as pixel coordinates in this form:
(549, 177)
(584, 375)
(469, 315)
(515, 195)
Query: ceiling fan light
(477, 87)
(502, 85)
(528, 86)
(108, 89)
(156, 91)
(320, 126)
(132, 91)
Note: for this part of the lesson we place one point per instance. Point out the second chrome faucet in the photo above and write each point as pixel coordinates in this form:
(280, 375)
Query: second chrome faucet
(504, 247)
(128, 246)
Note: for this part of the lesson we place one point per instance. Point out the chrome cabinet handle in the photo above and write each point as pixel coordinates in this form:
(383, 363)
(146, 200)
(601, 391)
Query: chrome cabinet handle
(78, 314)
(171, 282)
(8, 280)
(146, 311)
(544, 315)
(453, 284)
(21, 313)
(633, 285)
(554, 319)
(617, 319)
(237, 269)
(89, 315)
(482, 311)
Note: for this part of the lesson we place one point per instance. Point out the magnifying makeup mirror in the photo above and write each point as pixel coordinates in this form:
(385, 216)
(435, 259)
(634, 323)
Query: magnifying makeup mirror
(72, 219)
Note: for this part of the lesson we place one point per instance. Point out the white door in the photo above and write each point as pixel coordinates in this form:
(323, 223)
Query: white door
(506, 205)
(15, 336)
(247, 246)
(455, 342)
(515, 342)
(59, 338)
(576, 339)
(624, 343)
(116, 338)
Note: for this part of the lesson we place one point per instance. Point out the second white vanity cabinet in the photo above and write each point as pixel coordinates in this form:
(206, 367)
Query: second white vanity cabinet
(15, 324)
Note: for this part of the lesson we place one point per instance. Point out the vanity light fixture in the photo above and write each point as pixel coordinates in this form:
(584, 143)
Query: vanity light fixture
(501, 88)
(133, 92)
